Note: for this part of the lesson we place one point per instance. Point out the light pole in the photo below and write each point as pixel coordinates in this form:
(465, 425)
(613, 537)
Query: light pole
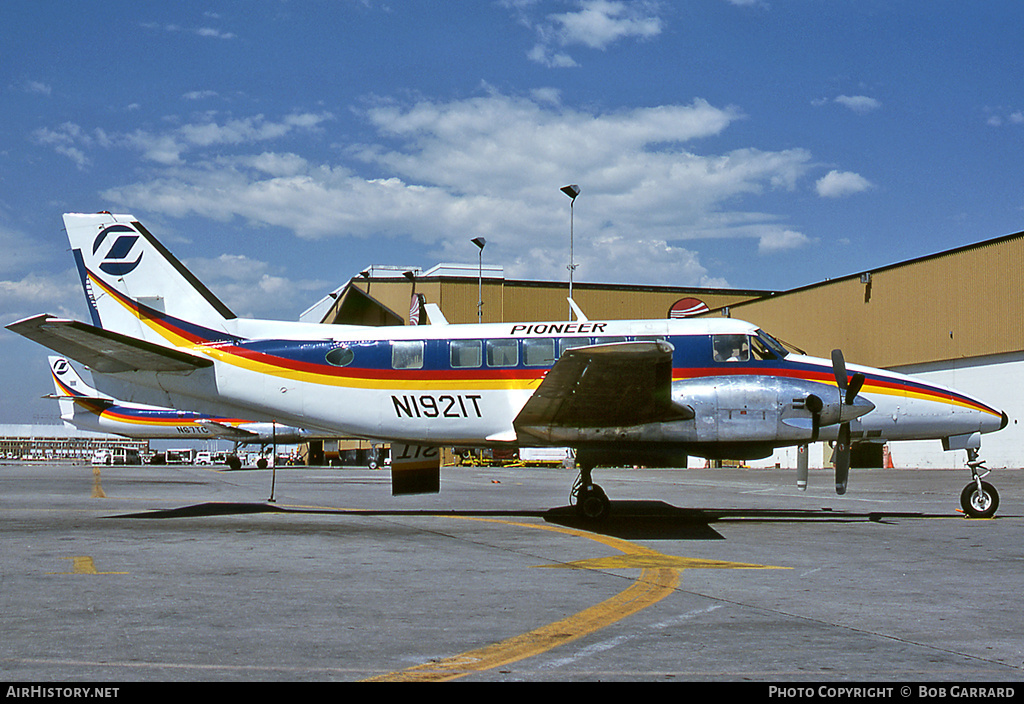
(480, 242)
(571, 191)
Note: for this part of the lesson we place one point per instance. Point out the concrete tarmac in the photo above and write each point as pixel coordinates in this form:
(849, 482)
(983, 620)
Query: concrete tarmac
(176, 573)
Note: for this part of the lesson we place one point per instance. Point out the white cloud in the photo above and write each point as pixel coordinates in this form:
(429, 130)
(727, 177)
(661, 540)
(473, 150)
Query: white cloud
(492, 166)
(599, 23)
(34, 293)
(836, 184)
(169, 147)
(248, 285)
(69, 140)
(205, 32)
(777, 240)
(211, 33)
(998, 119)
(859, 103)
(594, 24)
(38, 87)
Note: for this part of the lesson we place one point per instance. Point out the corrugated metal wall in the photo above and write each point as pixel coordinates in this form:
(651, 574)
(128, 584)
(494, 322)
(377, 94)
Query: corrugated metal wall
(967, 302)
(964, 303)
(508, 301)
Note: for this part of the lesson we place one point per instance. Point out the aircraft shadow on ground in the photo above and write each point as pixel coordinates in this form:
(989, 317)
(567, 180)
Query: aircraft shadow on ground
(630, 520)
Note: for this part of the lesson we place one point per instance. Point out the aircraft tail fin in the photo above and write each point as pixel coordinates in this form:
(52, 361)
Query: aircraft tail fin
(134, 285)
(67, 382)
(69, 387)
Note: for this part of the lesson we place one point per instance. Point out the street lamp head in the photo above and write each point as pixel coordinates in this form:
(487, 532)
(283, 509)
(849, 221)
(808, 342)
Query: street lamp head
(571, 191)
(479, 242)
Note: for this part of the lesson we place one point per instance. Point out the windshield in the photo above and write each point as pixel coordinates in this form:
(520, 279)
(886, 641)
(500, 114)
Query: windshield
(772, 344)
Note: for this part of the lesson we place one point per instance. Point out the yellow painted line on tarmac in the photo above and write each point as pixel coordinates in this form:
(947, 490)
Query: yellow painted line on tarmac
(83, 564)
(97, 489)
(659, 577)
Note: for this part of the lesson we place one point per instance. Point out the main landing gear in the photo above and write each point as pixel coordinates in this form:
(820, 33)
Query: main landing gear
(588, 498)
(978, 499)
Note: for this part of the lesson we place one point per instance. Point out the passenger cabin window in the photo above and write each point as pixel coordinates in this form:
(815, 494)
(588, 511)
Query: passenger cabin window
(539, 352)
(569, 342)
(340, 356)
(731, 348)
(407, 355)
(502, 353)
(465, 353)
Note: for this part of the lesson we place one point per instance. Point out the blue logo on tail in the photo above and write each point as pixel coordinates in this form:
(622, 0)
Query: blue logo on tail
(115, 261)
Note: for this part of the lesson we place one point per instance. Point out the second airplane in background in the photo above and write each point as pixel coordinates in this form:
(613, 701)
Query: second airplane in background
(85, 408)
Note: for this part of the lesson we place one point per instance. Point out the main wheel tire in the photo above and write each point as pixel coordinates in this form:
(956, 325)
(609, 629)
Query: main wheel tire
(593, 504)
(979, 504)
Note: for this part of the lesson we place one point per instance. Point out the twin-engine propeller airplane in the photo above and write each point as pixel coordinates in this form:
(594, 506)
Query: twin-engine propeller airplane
(85, 408)
(644, 392)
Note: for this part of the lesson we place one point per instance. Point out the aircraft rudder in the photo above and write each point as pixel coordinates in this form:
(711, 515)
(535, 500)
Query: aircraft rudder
(132, 281)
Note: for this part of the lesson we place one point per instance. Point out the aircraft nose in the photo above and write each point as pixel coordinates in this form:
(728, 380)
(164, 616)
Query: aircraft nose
(1006, 421)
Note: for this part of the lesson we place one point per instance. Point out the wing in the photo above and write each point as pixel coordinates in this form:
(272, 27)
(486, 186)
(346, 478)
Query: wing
(105, 351)
(601, 386)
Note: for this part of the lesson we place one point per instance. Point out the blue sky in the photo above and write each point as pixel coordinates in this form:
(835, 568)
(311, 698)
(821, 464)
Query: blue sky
(280, 147)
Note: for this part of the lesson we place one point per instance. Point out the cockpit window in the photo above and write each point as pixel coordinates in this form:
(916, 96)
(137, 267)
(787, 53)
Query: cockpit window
(772, 344)
(731, 348)
(743, 348)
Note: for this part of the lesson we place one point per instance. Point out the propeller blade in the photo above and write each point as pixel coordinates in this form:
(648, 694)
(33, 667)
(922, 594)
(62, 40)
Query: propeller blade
(856, 383)
(839, 369)
(842, 459)
(801, 467)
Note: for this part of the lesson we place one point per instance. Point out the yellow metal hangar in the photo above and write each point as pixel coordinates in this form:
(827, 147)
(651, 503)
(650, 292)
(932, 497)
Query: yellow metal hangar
(390, 295)
(955, 317)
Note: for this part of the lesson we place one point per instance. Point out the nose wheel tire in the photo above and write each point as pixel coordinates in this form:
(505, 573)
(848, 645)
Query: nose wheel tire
(979, 502)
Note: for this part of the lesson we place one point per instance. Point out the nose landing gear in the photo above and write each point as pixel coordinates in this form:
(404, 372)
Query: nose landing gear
(978, 499)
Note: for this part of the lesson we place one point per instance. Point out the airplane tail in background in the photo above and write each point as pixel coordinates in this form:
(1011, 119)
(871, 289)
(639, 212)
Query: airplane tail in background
(133, 285)
(68, 386)
(67, 383)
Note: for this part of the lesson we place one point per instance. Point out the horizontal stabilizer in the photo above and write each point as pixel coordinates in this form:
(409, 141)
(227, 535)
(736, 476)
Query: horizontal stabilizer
(105, 351)
(228, 432)
(617, 384)
(87, 401)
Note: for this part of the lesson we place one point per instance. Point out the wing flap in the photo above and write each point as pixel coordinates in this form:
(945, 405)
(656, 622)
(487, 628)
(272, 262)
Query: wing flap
(600, 386)
(105, 351)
